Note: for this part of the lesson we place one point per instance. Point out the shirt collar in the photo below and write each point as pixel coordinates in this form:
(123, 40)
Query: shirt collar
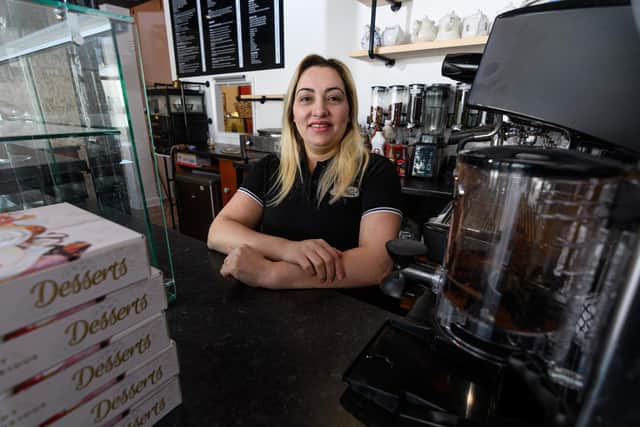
(304, 164)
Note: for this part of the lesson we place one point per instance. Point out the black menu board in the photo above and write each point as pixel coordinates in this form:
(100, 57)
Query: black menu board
(263, 34)
(220, 29)
(226, 36)
(185, 23)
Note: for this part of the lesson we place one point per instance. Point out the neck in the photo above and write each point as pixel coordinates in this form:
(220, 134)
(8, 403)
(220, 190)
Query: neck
(313, 157)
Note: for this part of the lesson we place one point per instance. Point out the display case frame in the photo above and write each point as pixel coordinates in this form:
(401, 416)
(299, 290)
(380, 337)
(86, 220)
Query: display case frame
(66, 129)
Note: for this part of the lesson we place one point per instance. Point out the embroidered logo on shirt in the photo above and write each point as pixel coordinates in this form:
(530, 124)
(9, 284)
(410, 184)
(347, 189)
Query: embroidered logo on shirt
(350, 192)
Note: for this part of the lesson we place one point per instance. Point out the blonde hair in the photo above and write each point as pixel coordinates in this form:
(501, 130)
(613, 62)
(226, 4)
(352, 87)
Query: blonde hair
(351, 157)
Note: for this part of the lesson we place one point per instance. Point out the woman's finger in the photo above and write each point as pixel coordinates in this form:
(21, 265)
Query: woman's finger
(305, 264)
(330, 250)
(318, 265)
(224, 272)
(339, 266)
(329, 265)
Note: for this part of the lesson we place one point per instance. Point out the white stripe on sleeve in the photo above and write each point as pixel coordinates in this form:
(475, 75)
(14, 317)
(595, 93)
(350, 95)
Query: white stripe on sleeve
(382, 209)
(253, 196)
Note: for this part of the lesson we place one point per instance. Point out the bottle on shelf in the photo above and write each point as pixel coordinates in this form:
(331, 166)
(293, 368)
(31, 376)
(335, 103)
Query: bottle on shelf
(388, 132)
(377, 143)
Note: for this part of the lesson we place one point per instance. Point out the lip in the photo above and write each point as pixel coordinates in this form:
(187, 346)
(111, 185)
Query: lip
(320, 126)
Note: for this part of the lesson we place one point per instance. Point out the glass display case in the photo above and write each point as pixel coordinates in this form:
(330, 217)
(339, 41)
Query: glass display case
(65, 120)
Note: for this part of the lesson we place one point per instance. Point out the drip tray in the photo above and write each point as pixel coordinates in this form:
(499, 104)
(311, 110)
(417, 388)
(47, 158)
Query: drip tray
(412, 372)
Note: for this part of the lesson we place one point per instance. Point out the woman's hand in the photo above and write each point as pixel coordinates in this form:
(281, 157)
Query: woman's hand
(246, 265)
(316, 257)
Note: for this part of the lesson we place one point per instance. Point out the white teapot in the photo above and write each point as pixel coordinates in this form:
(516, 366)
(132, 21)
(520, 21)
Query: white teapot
(476, 24)
(392, 35)
(427, 30)
(364, 41)
(449, 27)
(415, 29)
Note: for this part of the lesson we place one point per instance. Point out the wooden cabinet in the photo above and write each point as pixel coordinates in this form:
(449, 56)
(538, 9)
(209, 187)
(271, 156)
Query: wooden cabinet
(214, 161)
(228, 179)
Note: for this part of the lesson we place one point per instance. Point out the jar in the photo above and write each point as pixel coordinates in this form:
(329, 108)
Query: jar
(436, 108)
(376, 114)
(415, 105)
(526, 241)
(397, 101)
(460, 109)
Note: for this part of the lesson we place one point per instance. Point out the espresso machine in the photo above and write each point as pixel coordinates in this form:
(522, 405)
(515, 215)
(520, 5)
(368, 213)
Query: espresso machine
(531, 318)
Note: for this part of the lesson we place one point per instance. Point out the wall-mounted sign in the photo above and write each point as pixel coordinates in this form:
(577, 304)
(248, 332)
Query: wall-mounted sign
(226, 36)
(185, 21)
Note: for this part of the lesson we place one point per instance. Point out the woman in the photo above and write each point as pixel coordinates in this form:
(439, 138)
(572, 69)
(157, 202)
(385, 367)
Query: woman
(325, 208)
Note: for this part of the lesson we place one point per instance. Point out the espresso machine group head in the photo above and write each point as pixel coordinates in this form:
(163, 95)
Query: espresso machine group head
(528, 320)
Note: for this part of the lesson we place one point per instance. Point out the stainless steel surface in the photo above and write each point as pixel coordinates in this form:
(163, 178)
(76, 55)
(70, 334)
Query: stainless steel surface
(273, 132)
(481, 135)
(258, 144)
(432, 276)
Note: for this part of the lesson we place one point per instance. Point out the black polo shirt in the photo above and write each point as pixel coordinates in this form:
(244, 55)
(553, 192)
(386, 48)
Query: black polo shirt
(299, 217)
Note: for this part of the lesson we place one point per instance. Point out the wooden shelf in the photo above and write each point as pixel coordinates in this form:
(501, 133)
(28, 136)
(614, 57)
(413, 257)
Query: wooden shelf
(380, 2)
(261, 98)
(422, 47)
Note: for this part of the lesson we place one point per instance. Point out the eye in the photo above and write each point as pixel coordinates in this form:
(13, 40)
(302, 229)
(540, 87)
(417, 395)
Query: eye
(305, 99)
(335, 99)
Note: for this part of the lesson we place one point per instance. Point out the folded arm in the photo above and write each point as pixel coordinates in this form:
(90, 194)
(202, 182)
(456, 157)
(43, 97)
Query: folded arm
(365, 265)
(234, 227)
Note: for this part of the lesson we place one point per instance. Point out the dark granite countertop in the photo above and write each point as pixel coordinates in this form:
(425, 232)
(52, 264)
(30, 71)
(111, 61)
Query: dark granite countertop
(218, 150)
(226, 152)
(255, 357)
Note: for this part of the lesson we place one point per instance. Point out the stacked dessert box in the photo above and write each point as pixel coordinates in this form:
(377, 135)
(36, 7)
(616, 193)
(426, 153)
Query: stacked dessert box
(84, 340)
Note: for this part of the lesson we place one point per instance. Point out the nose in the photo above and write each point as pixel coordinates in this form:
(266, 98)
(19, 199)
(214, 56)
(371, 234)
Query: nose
(319, 108)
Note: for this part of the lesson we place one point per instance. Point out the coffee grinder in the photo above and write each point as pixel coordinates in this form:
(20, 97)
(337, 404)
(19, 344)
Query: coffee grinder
(528, 322)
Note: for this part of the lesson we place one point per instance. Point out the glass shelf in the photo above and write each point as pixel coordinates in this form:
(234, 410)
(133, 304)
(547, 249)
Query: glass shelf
(21, 131)
(75, 29)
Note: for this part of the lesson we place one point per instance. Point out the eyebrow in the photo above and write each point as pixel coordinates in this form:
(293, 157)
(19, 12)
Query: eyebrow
(311, 90)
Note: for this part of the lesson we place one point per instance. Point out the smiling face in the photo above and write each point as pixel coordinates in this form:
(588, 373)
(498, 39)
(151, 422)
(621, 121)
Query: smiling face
(321, 110)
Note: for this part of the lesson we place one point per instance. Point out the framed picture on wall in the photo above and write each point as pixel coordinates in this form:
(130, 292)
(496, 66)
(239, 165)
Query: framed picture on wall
(423, 161)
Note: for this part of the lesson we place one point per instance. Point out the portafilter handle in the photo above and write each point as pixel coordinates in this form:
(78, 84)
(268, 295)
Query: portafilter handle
(404, 252)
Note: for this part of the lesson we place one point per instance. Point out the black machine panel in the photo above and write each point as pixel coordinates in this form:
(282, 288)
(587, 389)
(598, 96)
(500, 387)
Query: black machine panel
(567, 64)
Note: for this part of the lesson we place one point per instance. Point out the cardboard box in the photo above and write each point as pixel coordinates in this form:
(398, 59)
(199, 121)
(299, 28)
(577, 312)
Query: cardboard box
(152, 409)
(34, 348)
(133, 388)
(83, 375)
(59, 256)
